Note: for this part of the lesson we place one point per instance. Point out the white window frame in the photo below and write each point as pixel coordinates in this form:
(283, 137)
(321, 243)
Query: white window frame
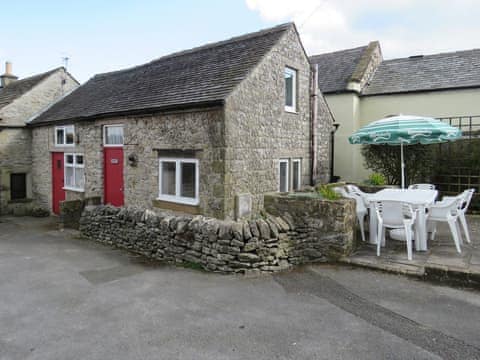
(105, 135)
(299, 175)
(74, 166)
(64, 128)
(293, 72)
(280, 175)
(178, 173)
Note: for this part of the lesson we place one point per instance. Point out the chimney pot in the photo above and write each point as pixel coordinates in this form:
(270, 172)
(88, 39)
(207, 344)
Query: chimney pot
(8, 68)
(8, 77)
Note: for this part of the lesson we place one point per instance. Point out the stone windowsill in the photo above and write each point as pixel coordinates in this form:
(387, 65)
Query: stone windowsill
(172, 206)
(73, 189)
(20, 201)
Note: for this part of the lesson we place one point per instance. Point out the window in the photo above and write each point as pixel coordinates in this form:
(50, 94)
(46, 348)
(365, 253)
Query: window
(64, 135)
(296, 174)
(283, 176)
(18, 186)
(113, 135)
(290, 90)
(179, 181)
(74, 172)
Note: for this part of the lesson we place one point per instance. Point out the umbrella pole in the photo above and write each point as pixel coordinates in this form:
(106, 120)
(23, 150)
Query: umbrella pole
(403, 165)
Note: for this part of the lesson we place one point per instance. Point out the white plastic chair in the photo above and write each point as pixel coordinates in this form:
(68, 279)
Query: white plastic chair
(422, 187)
(360, 207)
(447, 210)
(353, 189)
(395, 215)
(467, 198)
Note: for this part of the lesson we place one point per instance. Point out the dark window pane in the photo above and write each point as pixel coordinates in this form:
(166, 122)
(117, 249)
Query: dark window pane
(18, 186)
(79, 159)
(187, 186)
(168, 178)
(69, 138)
(60, 137)
(69, 159)
(296, 175)
(288, 89)
(283, 177)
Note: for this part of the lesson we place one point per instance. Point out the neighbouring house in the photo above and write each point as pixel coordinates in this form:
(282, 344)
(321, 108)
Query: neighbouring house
(19, 101)
(360, 87)
(203, 131)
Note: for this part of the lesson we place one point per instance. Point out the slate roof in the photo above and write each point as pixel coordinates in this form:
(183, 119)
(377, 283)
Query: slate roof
(336, 68)
(196, 77)
(19, 87)
(460, 69)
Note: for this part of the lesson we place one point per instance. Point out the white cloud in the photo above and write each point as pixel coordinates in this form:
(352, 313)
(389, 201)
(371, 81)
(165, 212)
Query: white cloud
(403, 27)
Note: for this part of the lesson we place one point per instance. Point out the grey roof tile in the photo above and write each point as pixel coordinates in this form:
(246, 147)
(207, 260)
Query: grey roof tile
(19, 87)
(426, 73)
(336, 68)
(206, 74)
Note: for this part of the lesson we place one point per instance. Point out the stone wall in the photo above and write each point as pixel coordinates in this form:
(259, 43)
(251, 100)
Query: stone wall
(15, 157)
(272, 243)
(323, 226)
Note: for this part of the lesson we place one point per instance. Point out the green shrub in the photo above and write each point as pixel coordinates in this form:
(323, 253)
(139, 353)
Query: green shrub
(376, 179)
(385, 159)
(328, 193)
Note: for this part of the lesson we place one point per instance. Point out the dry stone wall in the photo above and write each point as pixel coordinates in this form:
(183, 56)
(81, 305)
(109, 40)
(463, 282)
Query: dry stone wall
(271, 243)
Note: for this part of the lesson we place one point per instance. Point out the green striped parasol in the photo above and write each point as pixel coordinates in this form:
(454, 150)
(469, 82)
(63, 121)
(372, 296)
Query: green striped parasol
(405, 130)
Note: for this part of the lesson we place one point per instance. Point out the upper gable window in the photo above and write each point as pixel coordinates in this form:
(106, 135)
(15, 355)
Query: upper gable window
(290, 89)
(64, 135)
(113, 135)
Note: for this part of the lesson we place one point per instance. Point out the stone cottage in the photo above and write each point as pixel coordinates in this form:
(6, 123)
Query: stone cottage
(203, 131)
(20, 100)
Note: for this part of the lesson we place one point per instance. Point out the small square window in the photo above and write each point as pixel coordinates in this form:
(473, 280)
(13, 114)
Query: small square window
(290, 89)
(179, 181)
(113, 135)
(64, 135)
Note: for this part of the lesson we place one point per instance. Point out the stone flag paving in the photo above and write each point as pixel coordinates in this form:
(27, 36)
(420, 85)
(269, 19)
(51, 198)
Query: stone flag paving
(441, 261)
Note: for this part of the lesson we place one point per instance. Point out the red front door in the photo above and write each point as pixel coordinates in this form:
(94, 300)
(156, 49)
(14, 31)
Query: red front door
(113, 175)
(58, 194)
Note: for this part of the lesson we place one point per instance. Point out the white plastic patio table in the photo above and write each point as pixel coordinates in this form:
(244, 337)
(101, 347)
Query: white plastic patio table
(421, 199)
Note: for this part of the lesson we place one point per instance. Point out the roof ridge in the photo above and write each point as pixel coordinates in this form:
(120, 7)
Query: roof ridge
(338, 51)
(39, 75)
(419, 56)
(281, 27)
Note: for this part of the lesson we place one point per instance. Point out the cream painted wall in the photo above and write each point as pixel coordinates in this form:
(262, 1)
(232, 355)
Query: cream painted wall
(353, 112)
(345, 109)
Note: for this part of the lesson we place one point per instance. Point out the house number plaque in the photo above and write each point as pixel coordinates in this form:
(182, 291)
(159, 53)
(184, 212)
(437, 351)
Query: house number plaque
(114, 161)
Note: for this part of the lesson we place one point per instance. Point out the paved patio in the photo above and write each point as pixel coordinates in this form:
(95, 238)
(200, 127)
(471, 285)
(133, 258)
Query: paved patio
(440, 261)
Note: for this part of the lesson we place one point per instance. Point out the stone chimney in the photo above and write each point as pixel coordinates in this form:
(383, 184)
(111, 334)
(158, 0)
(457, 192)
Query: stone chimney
(8, 77)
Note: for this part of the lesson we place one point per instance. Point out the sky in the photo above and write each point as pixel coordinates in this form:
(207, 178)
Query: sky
(101, 36)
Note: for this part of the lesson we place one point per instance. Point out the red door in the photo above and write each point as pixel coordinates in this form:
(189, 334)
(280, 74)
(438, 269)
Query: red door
(58, 194)
(113, 175)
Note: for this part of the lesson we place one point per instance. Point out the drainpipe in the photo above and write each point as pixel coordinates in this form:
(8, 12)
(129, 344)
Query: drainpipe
(314, 112)
(332, 152)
